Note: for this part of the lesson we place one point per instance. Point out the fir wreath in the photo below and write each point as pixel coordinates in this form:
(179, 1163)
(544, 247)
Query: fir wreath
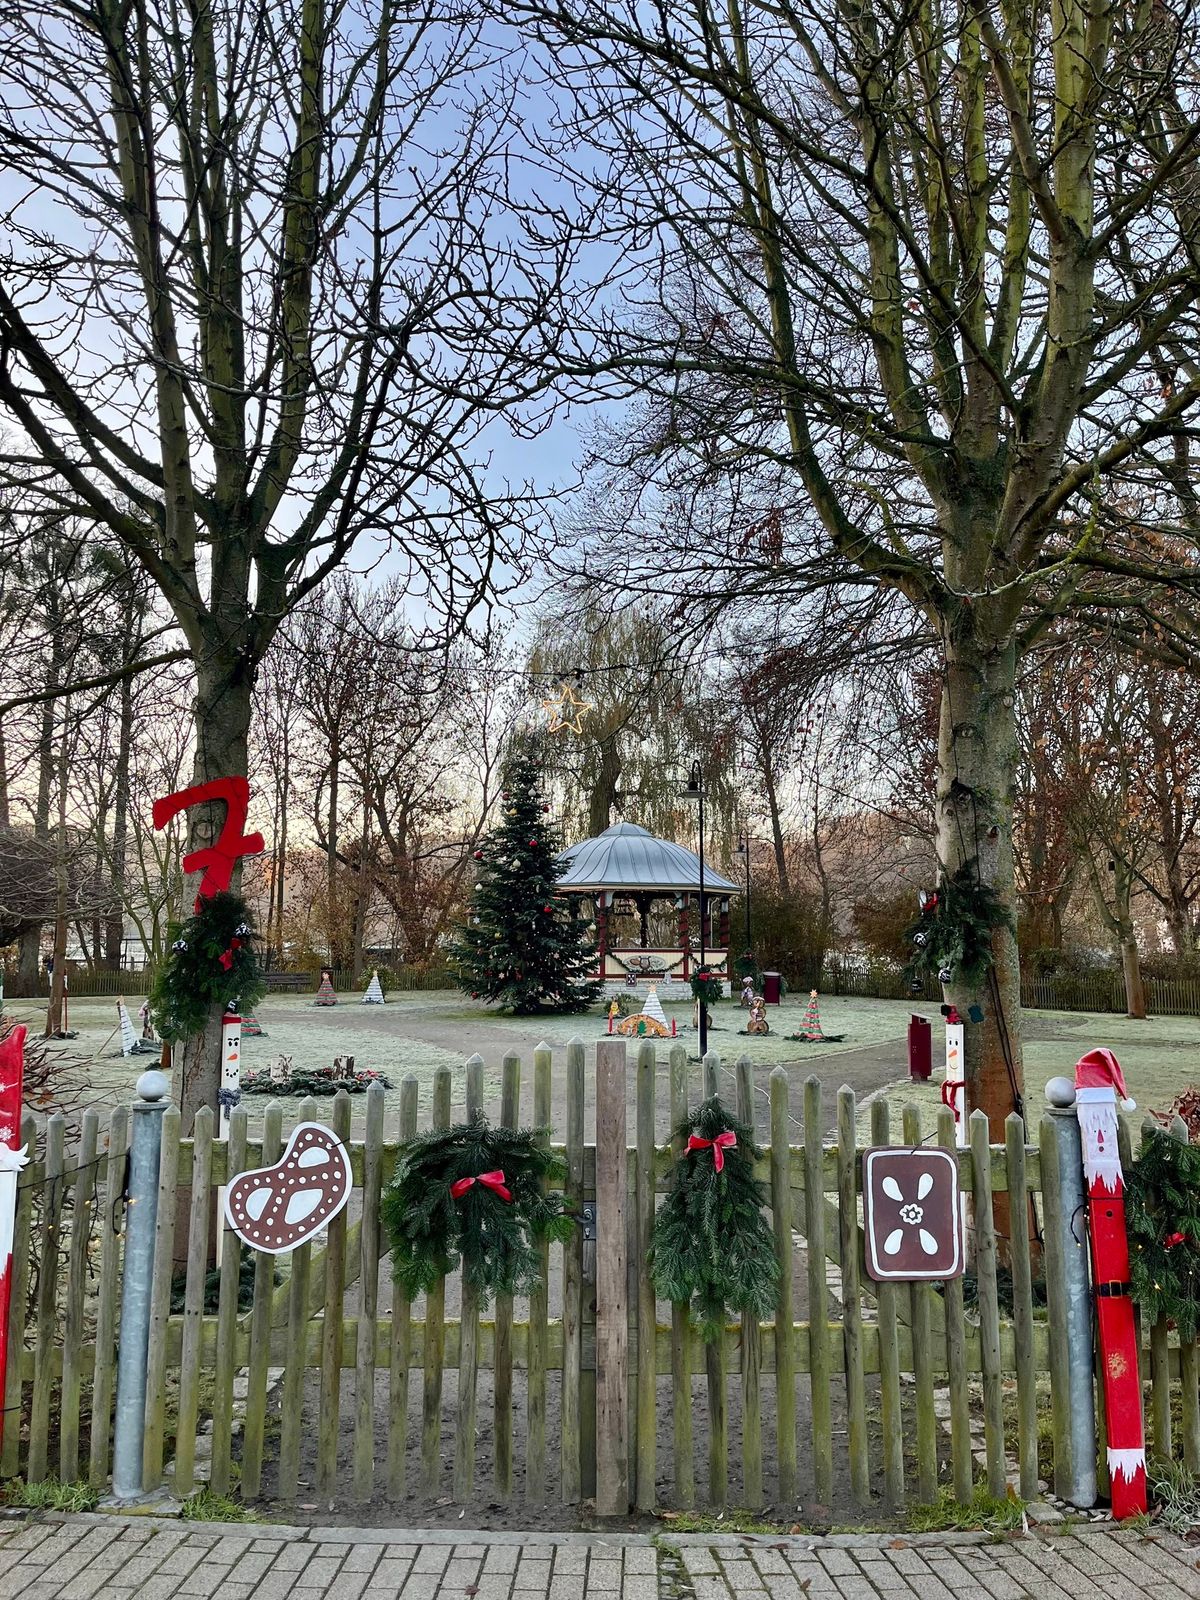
(211, 963)
(475, 1194)
(956, 937)
(1162, 1216)
(712, 1248)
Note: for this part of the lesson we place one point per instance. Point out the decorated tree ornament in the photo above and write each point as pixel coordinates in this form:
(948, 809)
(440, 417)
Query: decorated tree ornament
(477, 1195)
(195, 979)
(712, 1249)
(1099, 1082)
(953, 935)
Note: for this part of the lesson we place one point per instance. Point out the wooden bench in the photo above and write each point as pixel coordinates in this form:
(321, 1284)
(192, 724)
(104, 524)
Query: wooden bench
(292, 981)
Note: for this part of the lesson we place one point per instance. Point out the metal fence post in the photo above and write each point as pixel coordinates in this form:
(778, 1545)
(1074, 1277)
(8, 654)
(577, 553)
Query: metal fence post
(1077, 1289)
(140, 1220)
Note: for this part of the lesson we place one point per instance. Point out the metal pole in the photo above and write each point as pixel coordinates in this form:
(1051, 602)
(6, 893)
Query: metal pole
(141, 1216)
(1077, 1289)
(698, 778)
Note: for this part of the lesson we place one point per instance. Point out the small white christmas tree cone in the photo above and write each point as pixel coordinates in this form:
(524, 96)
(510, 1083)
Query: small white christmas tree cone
(129, 1042)
(653, 1007)
(374, 994)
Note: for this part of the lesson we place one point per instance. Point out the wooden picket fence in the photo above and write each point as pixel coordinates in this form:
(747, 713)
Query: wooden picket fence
(306, 1377)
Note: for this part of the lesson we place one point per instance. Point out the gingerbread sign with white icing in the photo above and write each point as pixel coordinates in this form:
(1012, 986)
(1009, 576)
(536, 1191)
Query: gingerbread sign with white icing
(276, 1209)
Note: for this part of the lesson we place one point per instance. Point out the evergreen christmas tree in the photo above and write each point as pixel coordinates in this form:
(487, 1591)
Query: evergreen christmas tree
(519, 948)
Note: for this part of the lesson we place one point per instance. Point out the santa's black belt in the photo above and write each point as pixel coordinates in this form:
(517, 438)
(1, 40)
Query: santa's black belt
(1112, 1290)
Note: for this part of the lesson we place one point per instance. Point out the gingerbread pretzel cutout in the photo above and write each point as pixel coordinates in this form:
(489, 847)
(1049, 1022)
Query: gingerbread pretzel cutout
(275, 1209)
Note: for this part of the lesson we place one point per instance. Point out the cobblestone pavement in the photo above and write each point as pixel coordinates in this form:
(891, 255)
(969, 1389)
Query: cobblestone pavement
(112, 1558)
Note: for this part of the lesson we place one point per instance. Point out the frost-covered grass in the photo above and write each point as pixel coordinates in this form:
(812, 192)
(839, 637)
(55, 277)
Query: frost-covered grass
(1160, 1057)
(420, 1032)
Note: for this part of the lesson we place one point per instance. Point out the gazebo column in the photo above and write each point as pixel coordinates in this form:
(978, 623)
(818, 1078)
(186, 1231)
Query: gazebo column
(684, 944)
(602, 929)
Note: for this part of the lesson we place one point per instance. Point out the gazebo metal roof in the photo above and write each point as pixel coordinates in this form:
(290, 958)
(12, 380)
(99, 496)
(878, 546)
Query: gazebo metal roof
(627, 857)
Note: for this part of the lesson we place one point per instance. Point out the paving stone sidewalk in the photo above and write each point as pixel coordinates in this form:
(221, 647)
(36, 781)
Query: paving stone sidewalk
(113, 1558)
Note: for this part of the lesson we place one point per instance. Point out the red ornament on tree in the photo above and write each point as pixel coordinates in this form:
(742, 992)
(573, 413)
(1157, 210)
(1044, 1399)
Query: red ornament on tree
(1173, 1239)
(479, 855)
(533, 844)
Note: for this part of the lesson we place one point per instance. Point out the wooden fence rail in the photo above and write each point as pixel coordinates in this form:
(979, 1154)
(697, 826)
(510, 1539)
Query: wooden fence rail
(311, 1376)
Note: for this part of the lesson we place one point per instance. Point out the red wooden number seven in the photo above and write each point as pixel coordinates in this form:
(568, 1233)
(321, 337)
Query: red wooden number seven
(216, 860)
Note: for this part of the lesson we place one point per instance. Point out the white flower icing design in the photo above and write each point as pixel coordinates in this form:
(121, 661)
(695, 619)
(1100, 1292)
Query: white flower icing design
(911, 1214)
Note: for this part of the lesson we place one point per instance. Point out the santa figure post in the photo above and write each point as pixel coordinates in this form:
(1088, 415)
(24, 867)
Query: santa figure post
(13, 1157)
(1099, 1084)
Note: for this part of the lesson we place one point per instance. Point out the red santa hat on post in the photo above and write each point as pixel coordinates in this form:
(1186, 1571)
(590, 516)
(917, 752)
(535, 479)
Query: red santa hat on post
(1100, 1069)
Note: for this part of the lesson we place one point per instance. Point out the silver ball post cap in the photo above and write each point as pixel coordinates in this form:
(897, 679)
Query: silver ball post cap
(1060, 1092)
(153, 1085)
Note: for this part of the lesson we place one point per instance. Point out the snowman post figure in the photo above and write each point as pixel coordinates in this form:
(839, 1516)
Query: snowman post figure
(748, 992)
(1099, 1082)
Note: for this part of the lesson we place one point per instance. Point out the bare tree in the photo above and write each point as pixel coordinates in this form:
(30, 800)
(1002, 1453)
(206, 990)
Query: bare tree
(264, 290)
(901, 285)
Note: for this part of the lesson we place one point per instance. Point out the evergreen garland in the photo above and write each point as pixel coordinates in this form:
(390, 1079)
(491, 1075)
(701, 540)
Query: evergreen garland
(320, 1081)
(1162, 1216)
(956, 936)
(712, 1248)
(212, 963)
(431, 1230)
(521, 948)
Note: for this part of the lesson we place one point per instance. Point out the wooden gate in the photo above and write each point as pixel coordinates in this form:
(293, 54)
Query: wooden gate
(306, 1380)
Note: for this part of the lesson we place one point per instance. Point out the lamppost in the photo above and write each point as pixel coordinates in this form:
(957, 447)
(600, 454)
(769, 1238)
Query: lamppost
(743, 849)
(695, 791)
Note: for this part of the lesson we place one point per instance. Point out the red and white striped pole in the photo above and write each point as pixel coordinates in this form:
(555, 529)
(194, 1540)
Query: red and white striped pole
(12, 1158)
(1099, 1082)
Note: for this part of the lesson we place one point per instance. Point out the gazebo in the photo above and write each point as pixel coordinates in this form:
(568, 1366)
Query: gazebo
(643, 893)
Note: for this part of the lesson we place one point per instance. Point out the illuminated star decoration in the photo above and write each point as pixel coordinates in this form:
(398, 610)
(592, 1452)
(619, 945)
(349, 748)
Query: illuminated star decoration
(567, 710)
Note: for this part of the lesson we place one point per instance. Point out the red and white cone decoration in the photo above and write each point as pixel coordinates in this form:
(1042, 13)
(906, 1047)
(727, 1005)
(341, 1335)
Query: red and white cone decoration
(325, 994)
(1099, 1082)
(12, 1158)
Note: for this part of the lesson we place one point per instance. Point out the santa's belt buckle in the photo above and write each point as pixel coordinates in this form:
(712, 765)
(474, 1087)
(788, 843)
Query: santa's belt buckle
(1113, 1290)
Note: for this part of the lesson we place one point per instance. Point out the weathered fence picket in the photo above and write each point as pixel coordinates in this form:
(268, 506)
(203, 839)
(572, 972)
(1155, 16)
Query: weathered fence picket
(882, 1363)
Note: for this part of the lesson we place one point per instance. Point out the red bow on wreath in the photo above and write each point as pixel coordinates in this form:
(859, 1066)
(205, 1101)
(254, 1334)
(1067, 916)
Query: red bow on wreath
(1173, 1239)
(490, 1180)
(226, 956)
(718, 1146)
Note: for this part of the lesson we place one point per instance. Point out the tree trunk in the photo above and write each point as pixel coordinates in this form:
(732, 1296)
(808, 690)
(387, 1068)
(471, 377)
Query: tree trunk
(29, 960)
(1135, 988)
(331, 865)
(778, 843)
(54, 1012)
(4, 812)
(604, 790)
(114, 936)
(977, 757)
(222, 719)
